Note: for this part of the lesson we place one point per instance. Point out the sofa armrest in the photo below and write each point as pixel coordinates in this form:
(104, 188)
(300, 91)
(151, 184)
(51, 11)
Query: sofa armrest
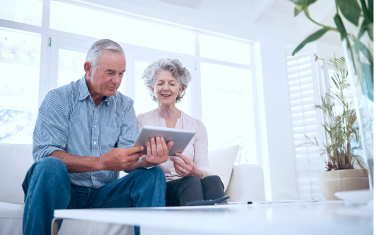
(246, 183)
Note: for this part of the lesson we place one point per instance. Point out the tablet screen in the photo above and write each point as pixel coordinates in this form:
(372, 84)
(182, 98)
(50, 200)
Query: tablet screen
(181, 138)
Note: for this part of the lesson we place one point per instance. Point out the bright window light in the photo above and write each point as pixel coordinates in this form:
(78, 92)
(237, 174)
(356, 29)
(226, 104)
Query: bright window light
(117, 27)
(226, 109)
(143, 101)
(225, 49)
(22, 11)
(71, 66)
(19, 85)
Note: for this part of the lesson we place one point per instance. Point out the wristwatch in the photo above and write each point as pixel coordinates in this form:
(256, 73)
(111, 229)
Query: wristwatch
(149, 167)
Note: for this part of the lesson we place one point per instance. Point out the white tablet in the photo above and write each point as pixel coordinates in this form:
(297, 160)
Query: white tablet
(181, 138)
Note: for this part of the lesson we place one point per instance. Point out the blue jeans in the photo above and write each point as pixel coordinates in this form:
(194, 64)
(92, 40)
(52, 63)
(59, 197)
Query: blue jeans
(47, 188)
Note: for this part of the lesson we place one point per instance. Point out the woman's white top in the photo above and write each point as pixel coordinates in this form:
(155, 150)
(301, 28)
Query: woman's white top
(197, 149)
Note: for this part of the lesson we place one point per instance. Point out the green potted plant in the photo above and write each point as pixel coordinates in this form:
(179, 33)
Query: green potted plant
(358, 51)
(343, 145)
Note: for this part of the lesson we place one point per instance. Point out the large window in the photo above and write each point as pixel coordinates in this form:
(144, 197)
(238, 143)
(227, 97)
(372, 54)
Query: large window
(103, 24)
(214, 47)
(19, 83)
(220, 93)
(22, 11)
(226, 108)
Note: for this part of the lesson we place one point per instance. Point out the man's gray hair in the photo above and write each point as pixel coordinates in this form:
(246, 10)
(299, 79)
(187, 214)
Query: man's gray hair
(178, 71)
(98, 47)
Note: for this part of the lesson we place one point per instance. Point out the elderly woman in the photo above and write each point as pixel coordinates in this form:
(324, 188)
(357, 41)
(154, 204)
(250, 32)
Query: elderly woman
(188, 179)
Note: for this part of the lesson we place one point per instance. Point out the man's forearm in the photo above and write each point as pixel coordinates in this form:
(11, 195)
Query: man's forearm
(77, 164)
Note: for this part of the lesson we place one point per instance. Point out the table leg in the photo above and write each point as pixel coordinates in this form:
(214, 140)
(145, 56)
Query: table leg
(55, 226)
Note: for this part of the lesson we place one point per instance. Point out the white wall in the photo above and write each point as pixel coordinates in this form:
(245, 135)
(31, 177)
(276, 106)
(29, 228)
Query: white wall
(272, 108)
(243, 19)
(328, 51)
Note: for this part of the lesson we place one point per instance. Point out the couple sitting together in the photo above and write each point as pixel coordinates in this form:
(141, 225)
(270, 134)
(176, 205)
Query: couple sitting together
(84, 136)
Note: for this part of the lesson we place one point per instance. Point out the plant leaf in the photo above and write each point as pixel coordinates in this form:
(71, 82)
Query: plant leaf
(300, 5)
(366, 27)
(365, 11)
(303, 2)
(370, 9)
(370, 31)
(341, 28)
(309, 2)
(297, 11)
(313, 37)
(362, 29)
(351, 10)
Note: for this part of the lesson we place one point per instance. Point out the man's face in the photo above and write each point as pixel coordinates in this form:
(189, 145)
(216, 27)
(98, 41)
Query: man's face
(106, 78)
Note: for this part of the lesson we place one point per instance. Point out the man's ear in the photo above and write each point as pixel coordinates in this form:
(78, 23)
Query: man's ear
(88, 69)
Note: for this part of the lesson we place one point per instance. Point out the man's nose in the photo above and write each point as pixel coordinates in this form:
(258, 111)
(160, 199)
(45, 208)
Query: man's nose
(117, 79)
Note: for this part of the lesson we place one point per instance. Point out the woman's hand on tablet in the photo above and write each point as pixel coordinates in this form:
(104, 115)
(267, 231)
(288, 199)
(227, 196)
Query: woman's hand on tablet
(157, 151)
(185, 167)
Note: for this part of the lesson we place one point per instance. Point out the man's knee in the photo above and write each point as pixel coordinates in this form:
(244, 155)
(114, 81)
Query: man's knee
(51, 165)
(49, 169)
(155, 172)
(47, 174)
(153, 175)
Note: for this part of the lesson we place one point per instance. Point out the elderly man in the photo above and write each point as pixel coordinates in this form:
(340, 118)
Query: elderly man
(82, 138)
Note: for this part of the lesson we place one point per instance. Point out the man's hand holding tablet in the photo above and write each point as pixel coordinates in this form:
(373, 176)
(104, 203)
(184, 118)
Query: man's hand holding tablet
(156, 151)
(119, 159)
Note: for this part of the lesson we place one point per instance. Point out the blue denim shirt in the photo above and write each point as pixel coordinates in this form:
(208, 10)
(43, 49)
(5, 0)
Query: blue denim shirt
(69, 121)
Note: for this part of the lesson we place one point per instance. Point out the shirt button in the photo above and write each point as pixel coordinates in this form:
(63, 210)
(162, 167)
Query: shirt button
(95, 126)
(95, 143)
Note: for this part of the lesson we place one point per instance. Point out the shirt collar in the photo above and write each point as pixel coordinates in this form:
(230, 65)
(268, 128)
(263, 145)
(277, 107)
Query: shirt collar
(84, 91)
(107, 99)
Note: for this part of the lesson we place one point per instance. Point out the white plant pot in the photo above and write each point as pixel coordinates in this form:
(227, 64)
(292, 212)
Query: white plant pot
(342, 180)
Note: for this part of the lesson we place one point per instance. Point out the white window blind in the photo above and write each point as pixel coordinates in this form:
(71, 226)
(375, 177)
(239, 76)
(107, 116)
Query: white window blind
(306, 120)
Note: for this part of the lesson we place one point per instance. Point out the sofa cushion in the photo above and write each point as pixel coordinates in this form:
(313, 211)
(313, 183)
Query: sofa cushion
(246, 184)
(11, 224)
(222, 161)
(16, 159)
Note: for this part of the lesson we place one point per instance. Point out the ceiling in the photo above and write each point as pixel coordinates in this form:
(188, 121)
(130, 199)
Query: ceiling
(283, 6)
(239, 18)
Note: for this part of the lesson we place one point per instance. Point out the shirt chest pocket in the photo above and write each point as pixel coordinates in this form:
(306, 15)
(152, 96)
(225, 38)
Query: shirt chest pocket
(109, 138)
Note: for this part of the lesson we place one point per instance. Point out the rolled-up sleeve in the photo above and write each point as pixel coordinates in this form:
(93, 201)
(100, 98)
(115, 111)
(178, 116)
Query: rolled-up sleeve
(51, 129)
(129, 129)
(201, 158)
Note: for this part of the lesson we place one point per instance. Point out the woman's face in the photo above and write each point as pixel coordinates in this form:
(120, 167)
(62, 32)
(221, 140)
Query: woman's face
(166, 88)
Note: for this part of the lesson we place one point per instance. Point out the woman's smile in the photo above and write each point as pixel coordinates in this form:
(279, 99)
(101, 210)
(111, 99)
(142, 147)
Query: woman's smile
(165, 95)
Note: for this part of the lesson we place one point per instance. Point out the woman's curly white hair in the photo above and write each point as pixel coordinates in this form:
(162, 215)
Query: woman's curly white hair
(178, 71)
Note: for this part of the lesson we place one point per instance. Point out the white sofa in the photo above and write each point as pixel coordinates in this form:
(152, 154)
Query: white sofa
(246, 184)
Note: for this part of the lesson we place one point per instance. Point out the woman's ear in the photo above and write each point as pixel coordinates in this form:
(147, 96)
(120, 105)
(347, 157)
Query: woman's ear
(181, 88)
(152, 90)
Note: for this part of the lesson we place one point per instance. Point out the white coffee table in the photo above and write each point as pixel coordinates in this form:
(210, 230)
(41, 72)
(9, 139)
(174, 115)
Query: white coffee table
(295, 218)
